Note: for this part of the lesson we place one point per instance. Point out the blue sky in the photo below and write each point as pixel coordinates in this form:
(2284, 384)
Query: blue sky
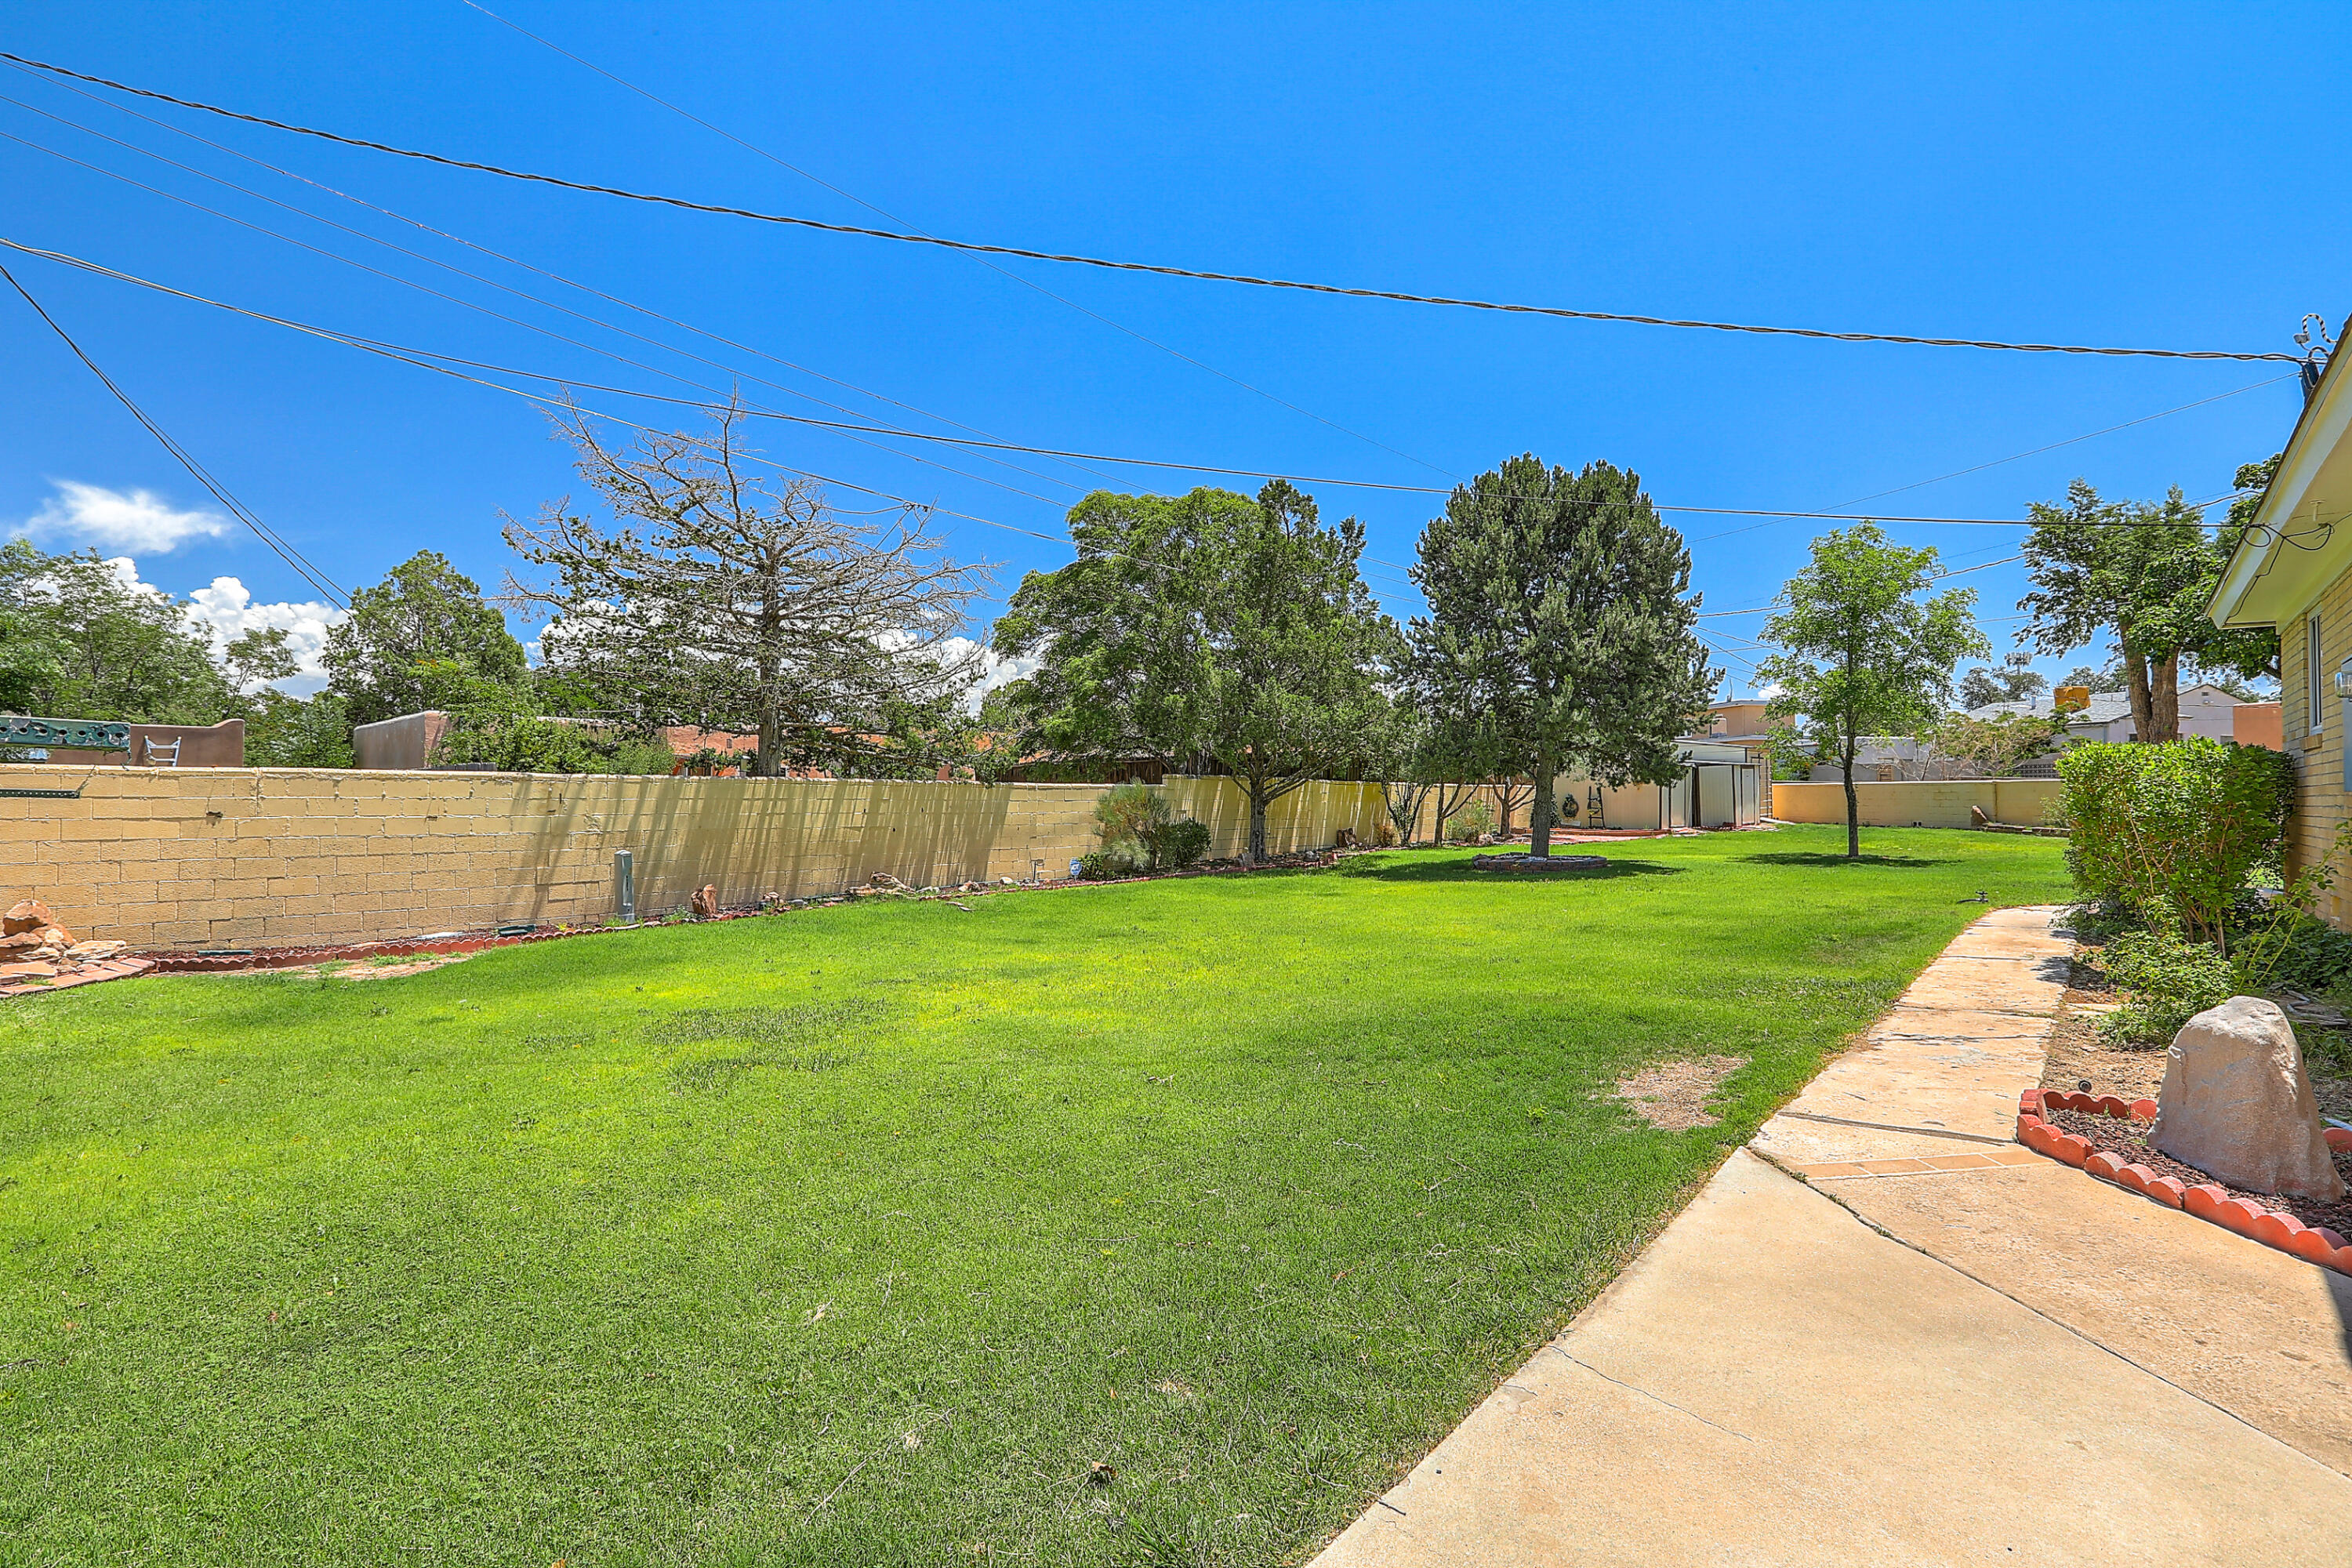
(2120, 174)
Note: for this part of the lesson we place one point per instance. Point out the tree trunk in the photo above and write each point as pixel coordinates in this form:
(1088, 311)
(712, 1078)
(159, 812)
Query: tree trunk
(2163, 701)
(1540, 819)
(1852, 801)
(1503, 809)
(1257, 822)
(2143, 700)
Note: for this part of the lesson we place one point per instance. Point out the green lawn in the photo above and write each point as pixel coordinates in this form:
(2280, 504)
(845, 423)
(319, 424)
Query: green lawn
(855, 1236)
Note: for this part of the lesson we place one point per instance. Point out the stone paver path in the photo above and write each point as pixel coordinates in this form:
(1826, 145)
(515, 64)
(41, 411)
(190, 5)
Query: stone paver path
(1886, 1335)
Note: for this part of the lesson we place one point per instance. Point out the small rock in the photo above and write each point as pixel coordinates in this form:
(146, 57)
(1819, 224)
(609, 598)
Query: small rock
(2237, 1104)
(27, 972)
(22, 940)
(30, 915)
(55, 936)
(91, 952)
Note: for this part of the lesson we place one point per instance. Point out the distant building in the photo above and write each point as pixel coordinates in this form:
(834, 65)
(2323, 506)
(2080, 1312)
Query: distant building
(2205, 710)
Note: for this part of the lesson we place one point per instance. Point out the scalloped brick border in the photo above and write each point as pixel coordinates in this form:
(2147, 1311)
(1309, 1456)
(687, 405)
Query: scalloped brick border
(2207, 1201)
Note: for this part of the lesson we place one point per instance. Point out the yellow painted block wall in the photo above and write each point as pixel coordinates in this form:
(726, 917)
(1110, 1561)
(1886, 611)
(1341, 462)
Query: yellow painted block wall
(2316, 749)
(1919, 803)
(199, 856)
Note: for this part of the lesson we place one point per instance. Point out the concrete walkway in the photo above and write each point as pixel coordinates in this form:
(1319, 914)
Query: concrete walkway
(1885, 1335)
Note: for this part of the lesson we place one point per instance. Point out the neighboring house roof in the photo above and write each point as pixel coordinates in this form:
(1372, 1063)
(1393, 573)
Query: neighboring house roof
(2107, 707)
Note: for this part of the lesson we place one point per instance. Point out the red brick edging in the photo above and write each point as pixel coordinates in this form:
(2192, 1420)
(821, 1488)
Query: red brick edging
(2207, 1200)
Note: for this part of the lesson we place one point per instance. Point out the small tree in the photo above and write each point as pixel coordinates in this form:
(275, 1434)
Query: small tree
(2014, 682)
(732, 604)
(1995, 747)
(1864, 652)
(425, 612)
(1558, 636)
(1203, 627)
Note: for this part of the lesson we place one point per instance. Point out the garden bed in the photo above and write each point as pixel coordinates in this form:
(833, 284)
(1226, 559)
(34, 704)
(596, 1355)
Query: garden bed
(2108, 1138)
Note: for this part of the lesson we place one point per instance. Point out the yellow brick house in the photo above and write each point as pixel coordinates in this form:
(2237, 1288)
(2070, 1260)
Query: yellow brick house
(2293, 572)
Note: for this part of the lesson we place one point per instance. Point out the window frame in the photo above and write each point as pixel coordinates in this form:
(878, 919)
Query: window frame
(2313, 683)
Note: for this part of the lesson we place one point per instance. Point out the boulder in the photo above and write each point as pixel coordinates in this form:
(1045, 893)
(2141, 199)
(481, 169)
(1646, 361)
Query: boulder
(23, 942)
(2236, 1104)
(90, 952)
(55, 936)
(30, 915)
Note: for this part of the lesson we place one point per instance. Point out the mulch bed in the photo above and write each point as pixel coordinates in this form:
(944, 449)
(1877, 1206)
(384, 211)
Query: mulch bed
(2129, 1139)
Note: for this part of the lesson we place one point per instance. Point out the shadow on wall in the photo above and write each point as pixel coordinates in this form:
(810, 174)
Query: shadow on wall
(753, 838)
(798, 837)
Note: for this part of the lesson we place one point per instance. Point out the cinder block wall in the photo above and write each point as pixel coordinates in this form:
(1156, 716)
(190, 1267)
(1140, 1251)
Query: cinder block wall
(1918, 803)
(232, 857)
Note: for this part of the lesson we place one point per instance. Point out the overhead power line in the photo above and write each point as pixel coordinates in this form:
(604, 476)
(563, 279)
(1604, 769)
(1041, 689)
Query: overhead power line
(1029, 283)
(469, 245)
(430, 358)
(294, 558)
(977, 249)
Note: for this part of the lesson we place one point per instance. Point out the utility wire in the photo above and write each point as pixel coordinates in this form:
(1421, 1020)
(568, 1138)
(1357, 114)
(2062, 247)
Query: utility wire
(434, 360)
(469, 304)
(2015, 457)
(494, 255)
(286, 551)
(975, 248)
(1028, 283)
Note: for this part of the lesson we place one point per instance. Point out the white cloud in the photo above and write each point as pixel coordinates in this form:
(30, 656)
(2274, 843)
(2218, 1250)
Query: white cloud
(995, 670)
(227, 610)
(140, 522)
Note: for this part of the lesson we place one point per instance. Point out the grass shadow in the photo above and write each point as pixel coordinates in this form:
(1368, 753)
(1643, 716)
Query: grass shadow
(1461, 871)
(1810, 858)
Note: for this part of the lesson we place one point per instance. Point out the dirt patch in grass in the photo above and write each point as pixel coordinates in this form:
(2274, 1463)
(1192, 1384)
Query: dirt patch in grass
(386, 968)
(1674, 1097)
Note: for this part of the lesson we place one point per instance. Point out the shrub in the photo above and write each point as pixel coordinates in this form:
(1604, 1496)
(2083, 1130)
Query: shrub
(1471, 823)
(2184, 822)
(2170, 979)
(1178, 843)
(1126, 813)
(1104, 865)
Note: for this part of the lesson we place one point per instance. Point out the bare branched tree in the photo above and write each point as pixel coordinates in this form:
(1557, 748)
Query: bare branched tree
(749, 607)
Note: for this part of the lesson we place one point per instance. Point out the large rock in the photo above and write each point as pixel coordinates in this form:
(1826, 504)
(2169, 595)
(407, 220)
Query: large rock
(2237, 1104)
(30, 915)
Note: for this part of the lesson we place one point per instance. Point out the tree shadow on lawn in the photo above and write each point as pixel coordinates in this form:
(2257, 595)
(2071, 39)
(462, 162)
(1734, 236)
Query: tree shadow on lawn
(1461, 871)
(1823, 858)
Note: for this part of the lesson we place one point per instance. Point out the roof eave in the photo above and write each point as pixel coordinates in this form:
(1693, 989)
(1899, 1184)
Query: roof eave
(2262, 539)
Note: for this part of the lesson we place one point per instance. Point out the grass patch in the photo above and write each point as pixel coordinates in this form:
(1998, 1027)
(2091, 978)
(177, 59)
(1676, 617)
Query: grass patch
(859, 1236)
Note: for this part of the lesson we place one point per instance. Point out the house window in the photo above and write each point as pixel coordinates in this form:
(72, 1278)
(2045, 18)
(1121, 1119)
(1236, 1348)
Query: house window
(2315, 693)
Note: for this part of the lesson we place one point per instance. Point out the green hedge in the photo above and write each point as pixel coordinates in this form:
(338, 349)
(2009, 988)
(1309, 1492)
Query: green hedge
(2187, 822)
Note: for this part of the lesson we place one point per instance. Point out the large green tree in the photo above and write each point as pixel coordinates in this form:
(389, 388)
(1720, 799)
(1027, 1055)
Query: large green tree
(96, 646)
(1865, 648)
(1205, 627)
(1560, 635)
(425, 612)
(2141, 574)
